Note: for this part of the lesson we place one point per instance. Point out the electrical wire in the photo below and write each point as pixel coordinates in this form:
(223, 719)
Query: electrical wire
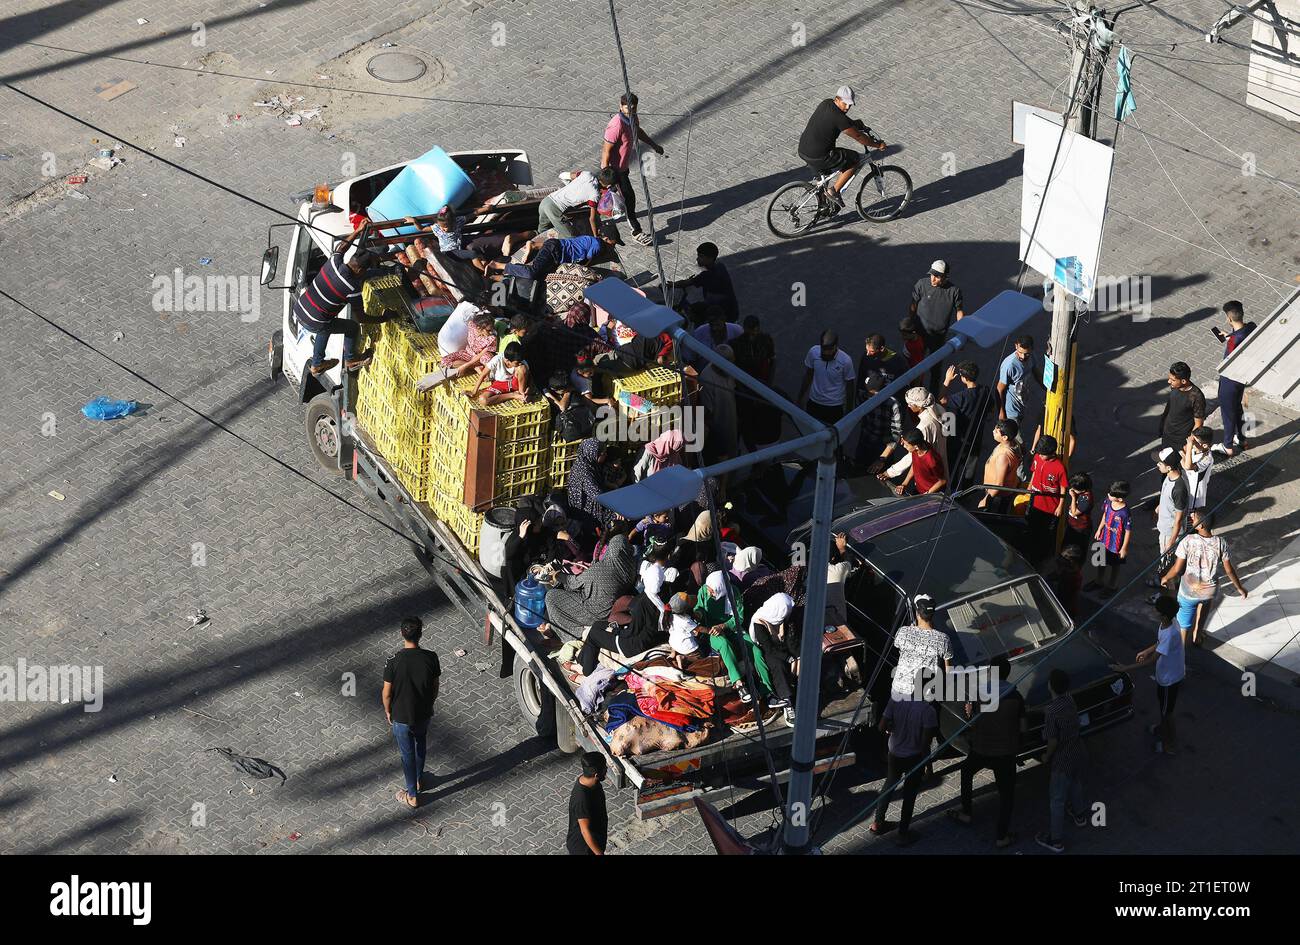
(377, 93)
(416, 544)
(1194, 214)
(635, 121)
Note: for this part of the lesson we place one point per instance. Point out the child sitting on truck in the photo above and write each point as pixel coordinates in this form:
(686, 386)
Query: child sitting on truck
(509, 378)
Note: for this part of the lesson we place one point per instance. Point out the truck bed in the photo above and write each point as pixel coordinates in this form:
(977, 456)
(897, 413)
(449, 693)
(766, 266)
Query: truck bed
(668, 780)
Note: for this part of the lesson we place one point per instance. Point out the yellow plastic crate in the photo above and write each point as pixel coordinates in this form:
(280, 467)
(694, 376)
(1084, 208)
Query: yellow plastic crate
(563, 452)
(660, 386)
(465, 524)
(516, 485)
(420, 353)
(380, 293)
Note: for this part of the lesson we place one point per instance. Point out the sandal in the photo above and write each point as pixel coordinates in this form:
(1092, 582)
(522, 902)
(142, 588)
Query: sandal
(961, 817)
(1003, 842)
(406, 798)
(645, 239)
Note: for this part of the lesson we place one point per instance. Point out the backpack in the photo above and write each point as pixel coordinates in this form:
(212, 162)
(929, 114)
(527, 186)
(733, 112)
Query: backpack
(578, 422)
(611, 207)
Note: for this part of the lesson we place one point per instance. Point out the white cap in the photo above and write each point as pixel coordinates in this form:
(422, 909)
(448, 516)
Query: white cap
(939, 267)
(844, 94)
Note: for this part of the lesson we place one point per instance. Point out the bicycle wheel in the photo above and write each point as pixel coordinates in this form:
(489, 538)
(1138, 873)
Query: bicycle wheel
(793, 210)
(884, 195)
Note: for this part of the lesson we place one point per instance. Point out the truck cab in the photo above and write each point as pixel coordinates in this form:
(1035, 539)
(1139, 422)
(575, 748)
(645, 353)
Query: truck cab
(322, 220)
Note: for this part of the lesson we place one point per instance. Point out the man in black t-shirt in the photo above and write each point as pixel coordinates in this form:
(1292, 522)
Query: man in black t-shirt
(410, 687)
(936, 304)
(588, 819)
(1184, 410)
(817, 143)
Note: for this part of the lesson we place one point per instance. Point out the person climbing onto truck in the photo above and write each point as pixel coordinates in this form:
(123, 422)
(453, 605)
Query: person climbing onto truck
(317, 307)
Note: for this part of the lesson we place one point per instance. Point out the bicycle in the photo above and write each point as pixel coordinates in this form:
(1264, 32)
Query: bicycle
(796, 208)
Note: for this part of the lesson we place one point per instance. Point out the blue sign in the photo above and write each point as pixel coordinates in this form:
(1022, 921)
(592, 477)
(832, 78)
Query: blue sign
(1069, 275)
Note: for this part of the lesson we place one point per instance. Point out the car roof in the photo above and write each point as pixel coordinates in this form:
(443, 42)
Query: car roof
(931, 545)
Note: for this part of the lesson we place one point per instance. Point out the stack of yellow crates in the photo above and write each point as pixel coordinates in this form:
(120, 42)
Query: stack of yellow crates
(396, 416)
(424, 436)
(522, 455)
(563, 453)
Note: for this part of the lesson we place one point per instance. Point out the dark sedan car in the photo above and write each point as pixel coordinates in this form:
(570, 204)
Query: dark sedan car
(988, 599)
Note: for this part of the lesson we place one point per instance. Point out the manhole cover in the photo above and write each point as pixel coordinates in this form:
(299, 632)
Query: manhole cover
(396, 67)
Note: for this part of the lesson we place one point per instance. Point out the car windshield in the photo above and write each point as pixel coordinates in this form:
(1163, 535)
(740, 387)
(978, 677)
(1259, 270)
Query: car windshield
(1009, 620)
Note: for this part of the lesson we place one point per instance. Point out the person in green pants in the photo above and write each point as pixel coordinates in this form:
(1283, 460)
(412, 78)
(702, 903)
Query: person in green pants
(724, 628)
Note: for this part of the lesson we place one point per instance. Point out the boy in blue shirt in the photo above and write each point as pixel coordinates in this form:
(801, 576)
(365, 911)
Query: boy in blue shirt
(553, 253)
(1113, 532)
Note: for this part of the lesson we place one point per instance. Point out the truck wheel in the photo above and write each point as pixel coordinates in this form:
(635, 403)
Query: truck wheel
(275, 354)
(323, 432)
(536, 704)
(527, 691)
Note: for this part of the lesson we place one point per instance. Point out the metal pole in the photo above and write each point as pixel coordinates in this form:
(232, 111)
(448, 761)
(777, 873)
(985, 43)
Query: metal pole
(844, 426)
(685, 339)
(1090, 49)
(808, 698)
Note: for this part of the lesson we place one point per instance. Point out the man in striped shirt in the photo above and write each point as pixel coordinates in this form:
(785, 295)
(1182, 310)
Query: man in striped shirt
(318, 306)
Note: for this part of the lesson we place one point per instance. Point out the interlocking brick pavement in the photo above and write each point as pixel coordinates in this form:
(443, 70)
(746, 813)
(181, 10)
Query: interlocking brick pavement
(302, 589)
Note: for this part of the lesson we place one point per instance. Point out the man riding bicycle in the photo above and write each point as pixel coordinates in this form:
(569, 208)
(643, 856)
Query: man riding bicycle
(817, 143)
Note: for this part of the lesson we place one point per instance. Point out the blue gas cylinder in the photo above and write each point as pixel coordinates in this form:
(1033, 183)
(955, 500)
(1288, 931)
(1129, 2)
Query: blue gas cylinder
(530, 603)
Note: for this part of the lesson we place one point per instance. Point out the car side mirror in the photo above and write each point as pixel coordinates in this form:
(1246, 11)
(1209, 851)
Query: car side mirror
(270, 263)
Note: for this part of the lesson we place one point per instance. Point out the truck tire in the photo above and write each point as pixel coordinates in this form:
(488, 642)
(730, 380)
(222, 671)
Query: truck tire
(536, 704)
(275, 354)
(528, 691)
(323, 433)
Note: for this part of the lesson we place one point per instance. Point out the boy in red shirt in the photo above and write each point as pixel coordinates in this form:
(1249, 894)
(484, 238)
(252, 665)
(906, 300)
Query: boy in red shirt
(913, 341)
(1047, 485)
(927, 468)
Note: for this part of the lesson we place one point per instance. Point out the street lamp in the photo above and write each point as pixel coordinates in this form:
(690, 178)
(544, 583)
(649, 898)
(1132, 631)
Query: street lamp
(677, 485)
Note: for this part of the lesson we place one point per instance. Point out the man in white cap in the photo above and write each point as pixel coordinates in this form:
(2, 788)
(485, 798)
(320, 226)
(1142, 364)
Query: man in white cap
(936, 303)
(817, 143)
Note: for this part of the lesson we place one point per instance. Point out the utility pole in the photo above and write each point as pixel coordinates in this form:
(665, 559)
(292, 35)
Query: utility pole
(1092, 40)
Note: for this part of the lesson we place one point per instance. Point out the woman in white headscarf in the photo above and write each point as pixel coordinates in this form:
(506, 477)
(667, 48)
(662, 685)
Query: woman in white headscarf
(930, 422)
(714, 611)
(747, 567)
(776, 641)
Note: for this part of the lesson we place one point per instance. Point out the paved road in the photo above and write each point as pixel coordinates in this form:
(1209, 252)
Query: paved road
(210, 499)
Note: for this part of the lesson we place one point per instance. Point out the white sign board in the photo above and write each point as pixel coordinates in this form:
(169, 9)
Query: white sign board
(1067, 232)
(1020, 111)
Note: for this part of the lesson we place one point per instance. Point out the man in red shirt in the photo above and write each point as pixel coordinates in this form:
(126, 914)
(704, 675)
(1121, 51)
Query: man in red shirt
(927, 468)
(1047, 485)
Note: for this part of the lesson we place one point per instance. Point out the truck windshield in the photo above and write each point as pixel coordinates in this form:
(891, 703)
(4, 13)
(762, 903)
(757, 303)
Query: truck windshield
(1011, 620)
